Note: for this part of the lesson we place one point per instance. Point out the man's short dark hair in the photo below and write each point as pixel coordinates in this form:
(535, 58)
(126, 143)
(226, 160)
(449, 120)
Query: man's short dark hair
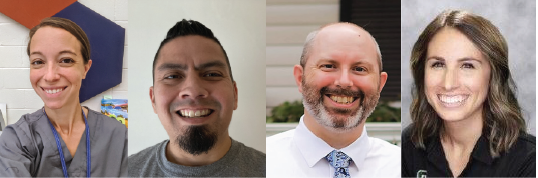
(186, 28)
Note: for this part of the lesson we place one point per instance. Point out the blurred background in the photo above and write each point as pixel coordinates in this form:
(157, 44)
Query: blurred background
(515, 19)
(288, 24)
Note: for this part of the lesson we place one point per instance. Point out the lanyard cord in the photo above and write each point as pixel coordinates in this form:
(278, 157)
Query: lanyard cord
(59, 145)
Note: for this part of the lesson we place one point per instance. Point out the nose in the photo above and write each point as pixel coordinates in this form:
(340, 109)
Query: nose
(451, 79)
(192, 88)
(344, 79)
(51, 74)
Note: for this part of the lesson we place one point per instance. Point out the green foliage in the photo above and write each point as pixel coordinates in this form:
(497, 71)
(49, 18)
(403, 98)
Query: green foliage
(292, 112)
(286, 112)
(385, 113)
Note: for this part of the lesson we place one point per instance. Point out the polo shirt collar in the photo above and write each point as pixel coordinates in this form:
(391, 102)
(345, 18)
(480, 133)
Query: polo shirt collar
(480, 151)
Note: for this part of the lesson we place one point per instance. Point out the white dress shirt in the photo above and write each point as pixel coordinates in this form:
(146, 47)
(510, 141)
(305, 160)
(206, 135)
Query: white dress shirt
(300, 153)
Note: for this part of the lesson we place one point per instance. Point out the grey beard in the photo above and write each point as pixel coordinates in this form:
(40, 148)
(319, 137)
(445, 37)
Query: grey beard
(313, 103)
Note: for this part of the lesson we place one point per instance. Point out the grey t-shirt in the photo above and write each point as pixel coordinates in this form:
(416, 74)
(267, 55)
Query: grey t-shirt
(28, 149)
(240, 161)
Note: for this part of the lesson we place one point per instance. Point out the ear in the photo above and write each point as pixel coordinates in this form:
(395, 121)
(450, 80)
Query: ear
(152, 97)
(382, 80)
(236, 97)
(87, 68)
(298, 75)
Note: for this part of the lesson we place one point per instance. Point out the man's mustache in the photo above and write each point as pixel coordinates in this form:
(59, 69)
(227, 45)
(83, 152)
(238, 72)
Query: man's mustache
(344, 92)
(205, 102)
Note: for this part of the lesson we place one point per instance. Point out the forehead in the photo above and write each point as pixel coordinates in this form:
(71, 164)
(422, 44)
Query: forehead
(190, 50)
(339, 42)
(450, 43)
(50, 39)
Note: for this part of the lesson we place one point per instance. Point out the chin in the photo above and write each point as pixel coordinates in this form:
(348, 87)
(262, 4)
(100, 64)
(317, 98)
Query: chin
(452, 116)
(53, 105)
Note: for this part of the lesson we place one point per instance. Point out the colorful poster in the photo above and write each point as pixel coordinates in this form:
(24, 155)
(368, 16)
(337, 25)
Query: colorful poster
(115, 108)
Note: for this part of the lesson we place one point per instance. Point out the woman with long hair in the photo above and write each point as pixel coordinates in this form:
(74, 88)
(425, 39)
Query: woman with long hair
(466, 117)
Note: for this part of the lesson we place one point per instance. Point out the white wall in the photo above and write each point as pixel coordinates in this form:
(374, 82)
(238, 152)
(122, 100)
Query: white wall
(288, 23)
(15, 88)
(240, 27)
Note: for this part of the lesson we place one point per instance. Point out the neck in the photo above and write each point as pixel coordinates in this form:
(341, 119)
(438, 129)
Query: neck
(65, 118)
(177, 155)
(335, 139)
(464, 133)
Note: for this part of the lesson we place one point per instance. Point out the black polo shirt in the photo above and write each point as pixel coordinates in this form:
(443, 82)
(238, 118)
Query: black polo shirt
(518, 161)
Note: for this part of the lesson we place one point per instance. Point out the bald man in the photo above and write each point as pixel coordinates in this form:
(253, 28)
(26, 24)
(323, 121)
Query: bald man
(340, 76)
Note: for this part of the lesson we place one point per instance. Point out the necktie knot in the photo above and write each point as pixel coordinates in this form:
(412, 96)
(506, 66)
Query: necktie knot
(340, 161)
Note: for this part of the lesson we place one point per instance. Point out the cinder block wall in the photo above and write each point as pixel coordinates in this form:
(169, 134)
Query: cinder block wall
(15, 88)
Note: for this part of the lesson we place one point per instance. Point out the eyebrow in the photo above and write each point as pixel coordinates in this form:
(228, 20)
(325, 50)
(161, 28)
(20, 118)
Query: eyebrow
(172, 66)
(334, 61)
(459, 60)
(218, 64)
(61, 52)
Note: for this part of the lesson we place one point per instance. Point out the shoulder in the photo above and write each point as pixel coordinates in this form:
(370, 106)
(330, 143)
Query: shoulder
(280, 139)
(520, 159)
(29, 119)
(384, 148)
(413, 158)
(106, 122)
(526, 143)
(251, 159)
(409, 150)
(22, 128)
(253, 154)
(281, 151)
(146, 153)
(407, 143)
(528, 140)
(20, 146)
(383, 155)
(406, 133)
(139, 160)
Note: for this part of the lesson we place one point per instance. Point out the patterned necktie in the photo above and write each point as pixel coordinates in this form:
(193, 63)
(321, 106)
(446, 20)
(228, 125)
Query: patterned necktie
(340, 161)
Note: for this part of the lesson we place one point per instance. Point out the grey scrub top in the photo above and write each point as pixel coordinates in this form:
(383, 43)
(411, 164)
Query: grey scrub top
(28, 149)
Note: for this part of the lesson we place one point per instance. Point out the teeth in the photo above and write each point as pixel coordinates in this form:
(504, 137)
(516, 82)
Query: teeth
(53, 91)
(452, 99)
(342, 99)
(191, 113)
(194, 113)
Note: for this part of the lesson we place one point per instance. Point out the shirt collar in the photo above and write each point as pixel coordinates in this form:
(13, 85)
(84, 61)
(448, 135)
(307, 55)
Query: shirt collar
(480, 151)
(313, 149)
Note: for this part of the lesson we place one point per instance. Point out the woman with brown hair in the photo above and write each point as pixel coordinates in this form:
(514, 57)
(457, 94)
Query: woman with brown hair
(466, 118)
(63, 138)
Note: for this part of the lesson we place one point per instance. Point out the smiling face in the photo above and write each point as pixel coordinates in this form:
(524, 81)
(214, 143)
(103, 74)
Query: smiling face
(341, 80)
(56, 66)
(456, 76)
(193, 87)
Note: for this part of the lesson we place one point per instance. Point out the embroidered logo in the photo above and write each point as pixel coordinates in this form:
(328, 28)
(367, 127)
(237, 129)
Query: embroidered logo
(422, 174)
